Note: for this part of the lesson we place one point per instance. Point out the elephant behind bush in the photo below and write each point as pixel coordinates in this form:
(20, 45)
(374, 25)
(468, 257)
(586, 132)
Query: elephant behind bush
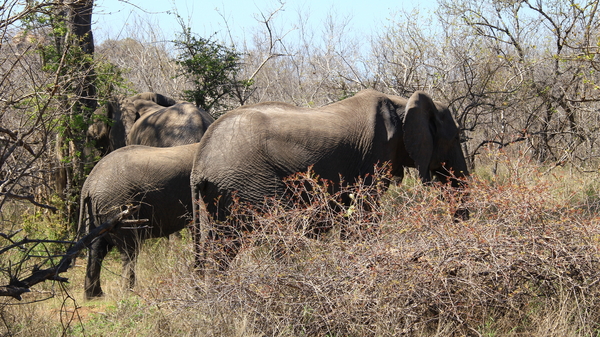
(248, 153)
(148, 119)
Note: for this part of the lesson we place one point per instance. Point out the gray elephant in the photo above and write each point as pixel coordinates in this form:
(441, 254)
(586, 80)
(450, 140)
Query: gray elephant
(119, 116)
(161, 126)
(249, 151)
(156, 178)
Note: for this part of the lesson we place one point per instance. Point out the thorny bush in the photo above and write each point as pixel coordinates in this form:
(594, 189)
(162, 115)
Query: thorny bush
(386, 264)
(398, 263)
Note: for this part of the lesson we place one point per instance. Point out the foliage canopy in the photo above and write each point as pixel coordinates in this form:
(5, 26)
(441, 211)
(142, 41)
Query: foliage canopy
(212, 69)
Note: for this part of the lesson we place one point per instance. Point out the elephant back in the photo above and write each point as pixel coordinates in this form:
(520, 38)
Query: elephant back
(180, 124)
(155, 178)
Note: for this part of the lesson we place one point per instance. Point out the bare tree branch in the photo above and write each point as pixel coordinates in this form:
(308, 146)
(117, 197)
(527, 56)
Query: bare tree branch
(17, 287)
(31, 199)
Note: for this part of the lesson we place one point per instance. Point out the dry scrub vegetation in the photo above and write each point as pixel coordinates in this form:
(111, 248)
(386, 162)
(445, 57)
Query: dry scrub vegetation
(525, 263)
(517, 75)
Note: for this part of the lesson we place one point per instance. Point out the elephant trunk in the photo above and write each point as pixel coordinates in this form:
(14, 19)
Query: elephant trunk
(455, 172)
(85, 217)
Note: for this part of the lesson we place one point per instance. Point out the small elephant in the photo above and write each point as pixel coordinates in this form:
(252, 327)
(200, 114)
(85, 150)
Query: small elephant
(156, 178)
(120, 115)
(248, 152)
(161, 126)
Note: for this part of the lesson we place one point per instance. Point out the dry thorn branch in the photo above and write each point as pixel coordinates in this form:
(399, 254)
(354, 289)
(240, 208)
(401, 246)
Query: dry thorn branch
(17, 287)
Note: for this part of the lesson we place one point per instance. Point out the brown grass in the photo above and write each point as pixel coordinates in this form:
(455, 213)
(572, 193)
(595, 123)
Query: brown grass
(527, 262)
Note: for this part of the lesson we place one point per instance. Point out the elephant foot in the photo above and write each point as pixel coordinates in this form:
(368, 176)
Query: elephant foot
(461, 214)
(91, 294)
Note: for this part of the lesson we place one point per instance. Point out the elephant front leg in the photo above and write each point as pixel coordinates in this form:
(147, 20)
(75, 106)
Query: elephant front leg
(96, 255)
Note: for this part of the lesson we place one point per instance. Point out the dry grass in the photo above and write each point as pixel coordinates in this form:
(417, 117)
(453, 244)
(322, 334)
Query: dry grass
(525, 263)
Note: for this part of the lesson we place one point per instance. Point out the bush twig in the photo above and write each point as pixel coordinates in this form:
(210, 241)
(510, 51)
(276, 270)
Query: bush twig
(17, 287)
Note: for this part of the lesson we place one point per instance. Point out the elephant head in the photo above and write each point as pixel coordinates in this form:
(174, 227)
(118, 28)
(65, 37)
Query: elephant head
(432, 140)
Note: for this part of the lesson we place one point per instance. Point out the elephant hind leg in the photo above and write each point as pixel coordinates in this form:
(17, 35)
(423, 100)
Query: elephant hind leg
(96, 255)
(229, 250)
(216, 252)
(129, 258)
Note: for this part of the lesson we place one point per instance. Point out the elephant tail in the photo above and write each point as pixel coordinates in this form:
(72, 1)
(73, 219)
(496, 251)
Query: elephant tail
(86, 219)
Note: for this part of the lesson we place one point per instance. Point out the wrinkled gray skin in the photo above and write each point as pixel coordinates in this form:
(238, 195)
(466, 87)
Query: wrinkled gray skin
(123, 113)
(158, 179)
(251, 149)
(167, 126)
(129, 174)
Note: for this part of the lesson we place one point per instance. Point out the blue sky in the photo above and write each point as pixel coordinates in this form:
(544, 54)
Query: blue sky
(113, 17)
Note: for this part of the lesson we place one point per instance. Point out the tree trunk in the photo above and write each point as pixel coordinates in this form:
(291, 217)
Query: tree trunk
(78, 44)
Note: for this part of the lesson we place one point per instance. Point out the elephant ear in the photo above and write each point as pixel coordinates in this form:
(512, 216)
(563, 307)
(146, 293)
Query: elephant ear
(142, 107)
(123, 115)
(419, 131)
(159, 99)
(164, 100)
(98, 130)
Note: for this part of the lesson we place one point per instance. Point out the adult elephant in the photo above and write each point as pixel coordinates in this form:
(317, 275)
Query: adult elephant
(161, 126)
(252, 149)
(156, 178)
(119, 116)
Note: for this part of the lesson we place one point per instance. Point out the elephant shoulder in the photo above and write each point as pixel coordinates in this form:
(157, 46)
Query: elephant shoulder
(183, 113)
(154, 97)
